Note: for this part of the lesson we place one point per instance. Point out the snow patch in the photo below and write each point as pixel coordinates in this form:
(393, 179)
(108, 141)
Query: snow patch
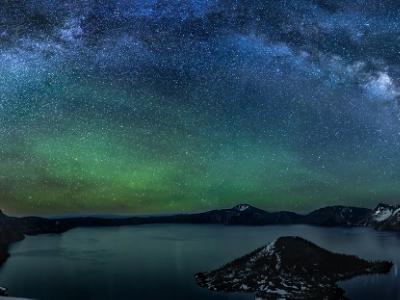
(242, 207)
(269, 249)
(382, 214)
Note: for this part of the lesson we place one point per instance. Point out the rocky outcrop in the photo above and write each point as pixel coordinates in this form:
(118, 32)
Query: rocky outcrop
(384, 217)
(289, 268)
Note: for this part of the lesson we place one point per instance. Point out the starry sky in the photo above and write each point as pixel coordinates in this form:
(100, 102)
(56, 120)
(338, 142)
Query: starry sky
(154, 106)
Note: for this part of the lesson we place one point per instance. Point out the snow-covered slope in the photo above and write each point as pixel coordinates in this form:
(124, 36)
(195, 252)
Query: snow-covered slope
(382, 213)
(385, 217)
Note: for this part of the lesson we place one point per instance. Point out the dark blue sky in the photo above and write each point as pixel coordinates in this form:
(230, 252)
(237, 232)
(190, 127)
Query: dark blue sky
(153, 106)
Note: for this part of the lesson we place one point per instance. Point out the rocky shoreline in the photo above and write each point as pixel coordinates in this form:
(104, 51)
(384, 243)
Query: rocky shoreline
(8, 236)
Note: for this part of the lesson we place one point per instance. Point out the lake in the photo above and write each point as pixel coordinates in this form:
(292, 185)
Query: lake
(158, 261)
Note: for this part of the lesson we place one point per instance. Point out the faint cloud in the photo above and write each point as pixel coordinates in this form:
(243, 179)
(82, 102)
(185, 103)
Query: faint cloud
(382, 86)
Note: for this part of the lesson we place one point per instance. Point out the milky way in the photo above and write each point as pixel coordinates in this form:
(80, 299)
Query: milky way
(158, 106)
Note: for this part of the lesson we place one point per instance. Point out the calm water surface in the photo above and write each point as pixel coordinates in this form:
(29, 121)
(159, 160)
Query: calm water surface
(158, 261)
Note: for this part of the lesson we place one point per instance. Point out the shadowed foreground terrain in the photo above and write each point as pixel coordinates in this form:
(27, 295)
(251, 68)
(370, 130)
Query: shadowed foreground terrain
(290, 268)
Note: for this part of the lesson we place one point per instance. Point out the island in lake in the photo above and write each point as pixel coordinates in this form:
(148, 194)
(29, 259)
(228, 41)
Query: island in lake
(290, 268)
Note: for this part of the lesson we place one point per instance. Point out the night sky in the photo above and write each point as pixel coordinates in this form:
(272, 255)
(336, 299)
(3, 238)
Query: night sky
(153, 106)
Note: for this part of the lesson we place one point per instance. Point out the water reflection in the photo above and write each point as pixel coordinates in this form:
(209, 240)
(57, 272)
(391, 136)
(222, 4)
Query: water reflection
(158, 261)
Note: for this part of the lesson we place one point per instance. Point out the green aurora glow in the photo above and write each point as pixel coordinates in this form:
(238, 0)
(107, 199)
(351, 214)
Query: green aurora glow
(172, 122)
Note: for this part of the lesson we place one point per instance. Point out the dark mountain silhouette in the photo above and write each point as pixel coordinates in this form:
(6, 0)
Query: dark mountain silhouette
(337, 216)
